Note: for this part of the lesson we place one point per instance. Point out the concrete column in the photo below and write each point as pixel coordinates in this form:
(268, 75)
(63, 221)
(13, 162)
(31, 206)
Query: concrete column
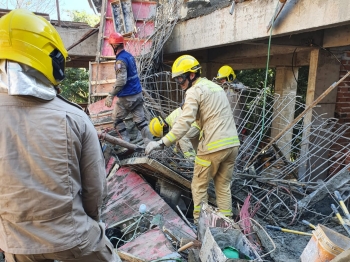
(285, 85)
(323, 72)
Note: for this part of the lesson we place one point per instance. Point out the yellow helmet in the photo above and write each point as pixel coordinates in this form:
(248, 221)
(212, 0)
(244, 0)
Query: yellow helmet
(31, 40)
(226, 72)
(156, 126)
(184, 64)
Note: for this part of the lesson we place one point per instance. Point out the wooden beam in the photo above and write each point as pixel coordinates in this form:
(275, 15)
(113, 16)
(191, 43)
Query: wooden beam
(336, 182)
(128, 257)
(310, 97)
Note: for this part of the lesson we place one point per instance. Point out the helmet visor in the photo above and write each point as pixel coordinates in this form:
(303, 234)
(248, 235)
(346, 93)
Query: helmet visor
(222, 79)
(181, 79)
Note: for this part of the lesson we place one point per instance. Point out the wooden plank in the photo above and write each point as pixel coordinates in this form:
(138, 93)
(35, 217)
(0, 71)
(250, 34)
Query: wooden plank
(310, 97)
(99, 94)
(336, 182)
(102, 78)
(101, 82)
(123, 16)
(128, 257)
(101, 31)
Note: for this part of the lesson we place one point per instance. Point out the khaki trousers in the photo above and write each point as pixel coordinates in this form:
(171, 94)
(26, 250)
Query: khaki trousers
(94, 248)
(219, 167)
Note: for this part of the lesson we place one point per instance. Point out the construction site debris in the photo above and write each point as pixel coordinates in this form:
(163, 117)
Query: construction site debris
(288, 230)
(217, 239)
(324, 245)
(102, 135)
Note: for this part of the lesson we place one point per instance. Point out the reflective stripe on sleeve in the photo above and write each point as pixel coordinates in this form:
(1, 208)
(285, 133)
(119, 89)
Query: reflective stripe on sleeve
(171, 137)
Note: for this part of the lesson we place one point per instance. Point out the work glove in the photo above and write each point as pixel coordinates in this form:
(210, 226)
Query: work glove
(109, 100)
(153, 145)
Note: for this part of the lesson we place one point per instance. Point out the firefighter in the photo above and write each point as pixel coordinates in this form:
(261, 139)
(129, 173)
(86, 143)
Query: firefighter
(188, 143)
(53, 177)
(128, 89)
(207, 104)
(233, 88)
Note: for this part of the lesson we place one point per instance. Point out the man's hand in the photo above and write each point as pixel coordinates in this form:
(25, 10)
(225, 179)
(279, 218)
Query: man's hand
(153, 145)
(109, 100)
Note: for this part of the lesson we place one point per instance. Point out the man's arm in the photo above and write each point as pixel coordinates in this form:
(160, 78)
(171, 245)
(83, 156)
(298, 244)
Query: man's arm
(93, 173)
(185, 120)
(121, 77)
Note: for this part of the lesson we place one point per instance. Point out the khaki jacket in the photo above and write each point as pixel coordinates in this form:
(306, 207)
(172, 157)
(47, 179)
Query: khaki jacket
(207, 104)
(52, 175)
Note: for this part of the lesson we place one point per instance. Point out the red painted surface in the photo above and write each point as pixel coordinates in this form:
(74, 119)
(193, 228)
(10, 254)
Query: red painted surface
(99, 107)
(127, 191)
(149, 246)
(144, 29)
(135, 46)
(144, 10)
(138, 46)
(110, 164)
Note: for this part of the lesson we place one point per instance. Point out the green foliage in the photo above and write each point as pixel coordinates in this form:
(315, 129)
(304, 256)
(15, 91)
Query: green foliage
(75, 87)
(255, 78)
(78, 16)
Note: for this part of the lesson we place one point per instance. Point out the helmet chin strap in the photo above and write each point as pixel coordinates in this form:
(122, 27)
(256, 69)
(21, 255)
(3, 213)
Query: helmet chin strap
(115, 49)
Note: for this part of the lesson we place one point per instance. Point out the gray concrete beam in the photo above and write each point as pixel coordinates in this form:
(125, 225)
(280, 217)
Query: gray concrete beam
(249, 22)
(71, 36)
(335, 37)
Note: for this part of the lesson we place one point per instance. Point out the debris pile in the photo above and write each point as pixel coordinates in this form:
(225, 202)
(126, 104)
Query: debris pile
(285, 172)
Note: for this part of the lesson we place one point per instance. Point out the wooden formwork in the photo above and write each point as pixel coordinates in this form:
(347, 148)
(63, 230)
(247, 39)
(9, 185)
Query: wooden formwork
(102, 78)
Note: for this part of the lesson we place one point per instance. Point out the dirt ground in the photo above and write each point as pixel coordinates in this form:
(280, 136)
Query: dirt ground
(289, 247)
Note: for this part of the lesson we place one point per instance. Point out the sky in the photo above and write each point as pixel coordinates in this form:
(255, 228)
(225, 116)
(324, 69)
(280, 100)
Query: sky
(80, 5)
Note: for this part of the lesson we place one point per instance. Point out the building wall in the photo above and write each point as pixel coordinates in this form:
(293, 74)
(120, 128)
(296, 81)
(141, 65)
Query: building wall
(342, 113)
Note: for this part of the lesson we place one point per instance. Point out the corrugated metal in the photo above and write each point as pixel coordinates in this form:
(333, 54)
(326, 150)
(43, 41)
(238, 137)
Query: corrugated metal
(127, 191)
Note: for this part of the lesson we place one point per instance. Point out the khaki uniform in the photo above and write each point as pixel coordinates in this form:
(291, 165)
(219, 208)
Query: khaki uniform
(53, 181)
(207, 104)
(185, 142)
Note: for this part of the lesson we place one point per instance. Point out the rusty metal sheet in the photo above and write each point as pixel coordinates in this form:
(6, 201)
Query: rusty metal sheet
(100, 115)
(144, 29)
(144, 10)
(150, 166)
(127, 191)
(111, 163)
(209, 217)
(123, 16)
(149, 246)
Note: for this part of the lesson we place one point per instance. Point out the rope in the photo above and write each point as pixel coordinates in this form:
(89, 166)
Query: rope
(265, 82)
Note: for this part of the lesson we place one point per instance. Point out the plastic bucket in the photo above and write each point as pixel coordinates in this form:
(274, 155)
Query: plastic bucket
(324, 245)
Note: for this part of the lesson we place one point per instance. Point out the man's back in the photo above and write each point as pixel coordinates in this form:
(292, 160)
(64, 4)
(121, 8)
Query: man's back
(49, 158)
(214, 116)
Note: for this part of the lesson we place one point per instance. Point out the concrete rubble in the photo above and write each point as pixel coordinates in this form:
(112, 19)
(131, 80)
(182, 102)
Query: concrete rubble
(285, 172)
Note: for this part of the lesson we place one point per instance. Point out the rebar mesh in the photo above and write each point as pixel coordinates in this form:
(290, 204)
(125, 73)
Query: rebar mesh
(286, 171)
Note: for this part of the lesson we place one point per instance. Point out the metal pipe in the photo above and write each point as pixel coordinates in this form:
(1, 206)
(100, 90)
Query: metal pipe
(117, 141)
(58, 12)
